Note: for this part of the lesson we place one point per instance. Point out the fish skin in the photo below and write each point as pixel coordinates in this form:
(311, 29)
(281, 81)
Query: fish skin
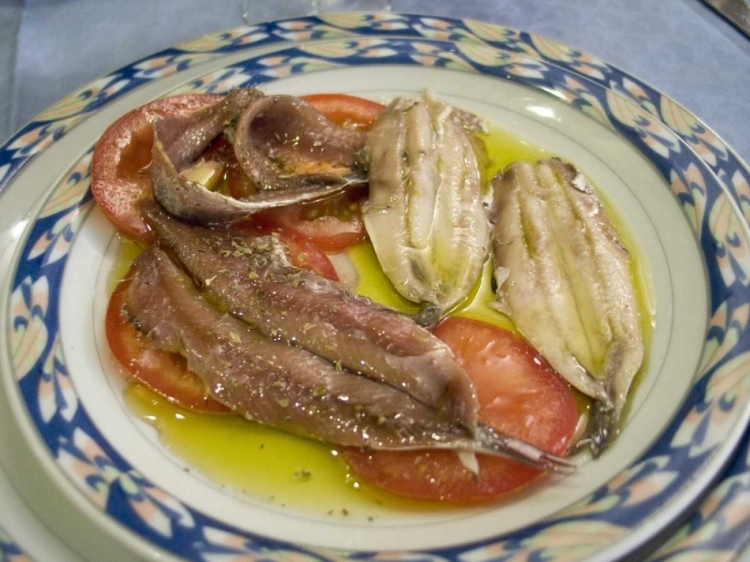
(253, 279)
(287, 387)
(179, 141)
(425, 214)
(569, 287)
(192, 202)
(184, 138)
(287, 127)
(269, 381)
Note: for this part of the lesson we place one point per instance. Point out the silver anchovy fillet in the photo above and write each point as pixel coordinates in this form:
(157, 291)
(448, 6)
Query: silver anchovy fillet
(565, 279)
(425, 215)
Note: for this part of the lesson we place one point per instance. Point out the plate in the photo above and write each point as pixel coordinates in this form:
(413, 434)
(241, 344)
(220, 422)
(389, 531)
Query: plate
(682, 193)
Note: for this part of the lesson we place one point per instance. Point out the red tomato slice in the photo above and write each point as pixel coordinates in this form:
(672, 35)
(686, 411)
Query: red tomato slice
(163, 372)
(120, 174)
(335, 223)
(302, 251)
(345, 110)
(332, 224)
(519, 394)
(307, 255)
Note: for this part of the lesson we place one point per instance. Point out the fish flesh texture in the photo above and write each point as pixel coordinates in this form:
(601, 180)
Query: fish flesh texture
(425, 214)
(564, 278)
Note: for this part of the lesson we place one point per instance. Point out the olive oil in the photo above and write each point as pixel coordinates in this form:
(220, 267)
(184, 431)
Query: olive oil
(286, 471)
(503, 148)
(247, 457)
(373, 282)
(127, 252)
(251, 459)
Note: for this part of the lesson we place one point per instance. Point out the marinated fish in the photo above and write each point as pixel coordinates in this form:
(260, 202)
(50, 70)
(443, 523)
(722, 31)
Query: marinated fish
(564, 278)
(264, 370)
(265, 126)
(270, 381)
(252, 278)
(425, 214)
(278, 136)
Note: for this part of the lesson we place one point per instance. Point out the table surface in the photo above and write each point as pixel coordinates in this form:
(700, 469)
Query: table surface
(49, 48)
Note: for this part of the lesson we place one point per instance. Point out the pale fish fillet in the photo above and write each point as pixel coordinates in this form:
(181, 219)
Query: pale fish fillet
(565, 279)
(424, 214)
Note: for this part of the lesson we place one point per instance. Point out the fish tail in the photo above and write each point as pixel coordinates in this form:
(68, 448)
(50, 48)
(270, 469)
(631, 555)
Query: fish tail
(493, 442)
(602, 428)
(428, 316)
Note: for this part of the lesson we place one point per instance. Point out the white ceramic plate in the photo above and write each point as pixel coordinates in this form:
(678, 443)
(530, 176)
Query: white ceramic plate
(79, 452)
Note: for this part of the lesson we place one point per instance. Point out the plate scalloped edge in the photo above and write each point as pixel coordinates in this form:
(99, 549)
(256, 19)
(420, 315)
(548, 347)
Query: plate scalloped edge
(692, 187)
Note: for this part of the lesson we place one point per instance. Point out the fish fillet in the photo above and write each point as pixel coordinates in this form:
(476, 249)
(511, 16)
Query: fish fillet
(565, 279)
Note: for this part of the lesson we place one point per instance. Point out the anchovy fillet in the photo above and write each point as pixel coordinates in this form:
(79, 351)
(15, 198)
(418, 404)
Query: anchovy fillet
(424, 215)
(179, 141)
(252, 278)
(270, 381)
(565, 279)
(276, 129)
(260, 366)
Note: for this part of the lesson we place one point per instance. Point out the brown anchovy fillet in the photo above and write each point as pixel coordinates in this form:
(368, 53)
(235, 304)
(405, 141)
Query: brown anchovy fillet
(253, 279)
(184, 138)
(564, 278)
(179, 141)
(269, 381)
(285, 386)
(425, 214)
(275, 129)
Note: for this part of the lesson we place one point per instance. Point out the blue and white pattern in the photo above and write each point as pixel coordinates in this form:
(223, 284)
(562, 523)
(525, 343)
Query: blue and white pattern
(10, 551)
(705, 176)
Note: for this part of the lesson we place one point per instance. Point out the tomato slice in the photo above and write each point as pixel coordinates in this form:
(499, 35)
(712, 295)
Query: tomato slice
(302, 251)
(120, 175)
(163, 372)
(335, 223)
(346, 110)
(305, 254)
(332, 224)
(519, 394)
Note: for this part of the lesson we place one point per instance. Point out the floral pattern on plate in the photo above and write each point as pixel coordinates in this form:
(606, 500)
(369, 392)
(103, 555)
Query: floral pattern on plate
(701, 170)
